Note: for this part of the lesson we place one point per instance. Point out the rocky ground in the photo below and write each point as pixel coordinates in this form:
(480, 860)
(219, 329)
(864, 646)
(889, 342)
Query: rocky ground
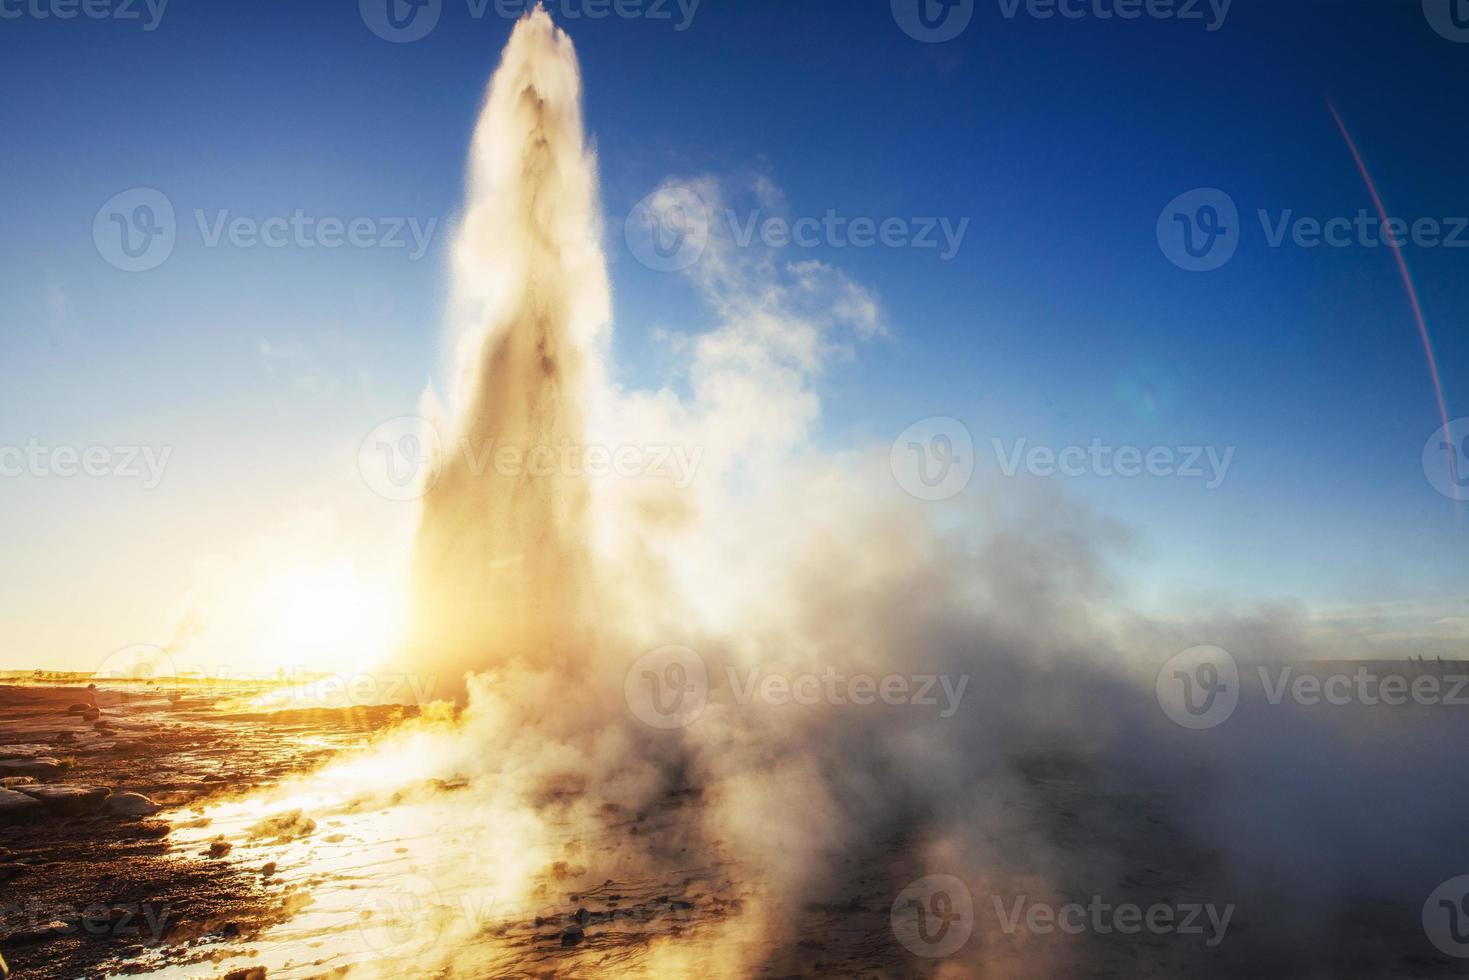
(133, 841)
(90, 880)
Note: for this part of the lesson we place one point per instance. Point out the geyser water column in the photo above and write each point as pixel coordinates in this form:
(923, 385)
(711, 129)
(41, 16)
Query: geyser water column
(500, 569)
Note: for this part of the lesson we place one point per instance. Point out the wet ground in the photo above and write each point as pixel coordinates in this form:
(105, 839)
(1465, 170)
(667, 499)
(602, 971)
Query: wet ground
(89, 893)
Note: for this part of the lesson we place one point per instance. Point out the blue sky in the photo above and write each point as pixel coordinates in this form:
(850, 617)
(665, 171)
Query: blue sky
(1059, 320)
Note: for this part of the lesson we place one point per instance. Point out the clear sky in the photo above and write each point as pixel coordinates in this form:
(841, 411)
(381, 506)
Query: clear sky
(1060, 318)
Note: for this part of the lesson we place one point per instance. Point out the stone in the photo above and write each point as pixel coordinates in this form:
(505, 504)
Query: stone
(24, 751)
(41, 766)
(17, 807)
(148, 829)
(572, 936)
(220, 848)
(67, 798)
(41, 931)
(91, 714)
(131, 805)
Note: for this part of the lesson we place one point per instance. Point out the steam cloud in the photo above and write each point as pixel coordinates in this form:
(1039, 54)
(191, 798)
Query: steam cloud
(792, 828)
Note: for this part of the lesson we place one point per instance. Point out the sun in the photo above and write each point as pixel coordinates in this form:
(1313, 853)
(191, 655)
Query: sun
(326, 619)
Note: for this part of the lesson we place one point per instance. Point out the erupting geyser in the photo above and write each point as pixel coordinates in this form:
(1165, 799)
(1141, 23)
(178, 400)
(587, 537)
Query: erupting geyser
(500, 565)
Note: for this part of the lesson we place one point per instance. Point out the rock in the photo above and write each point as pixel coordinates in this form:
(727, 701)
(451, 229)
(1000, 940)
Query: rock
(284, 826)
(42, 767)
(24, 751)
(248, 973)
(8, 871)
(572, 936)
(268, 870)
(41, 931)
(131, 805)
(148, 829)
(17, 807)
(102, 725)
(220, 848)
(78, 709)
(91, 714)
(67, 798)
(10, 782)
(582, 916)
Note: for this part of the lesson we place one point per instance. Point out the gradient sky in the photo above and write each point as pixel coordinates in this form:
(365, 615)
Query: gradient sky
(1060, 319)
